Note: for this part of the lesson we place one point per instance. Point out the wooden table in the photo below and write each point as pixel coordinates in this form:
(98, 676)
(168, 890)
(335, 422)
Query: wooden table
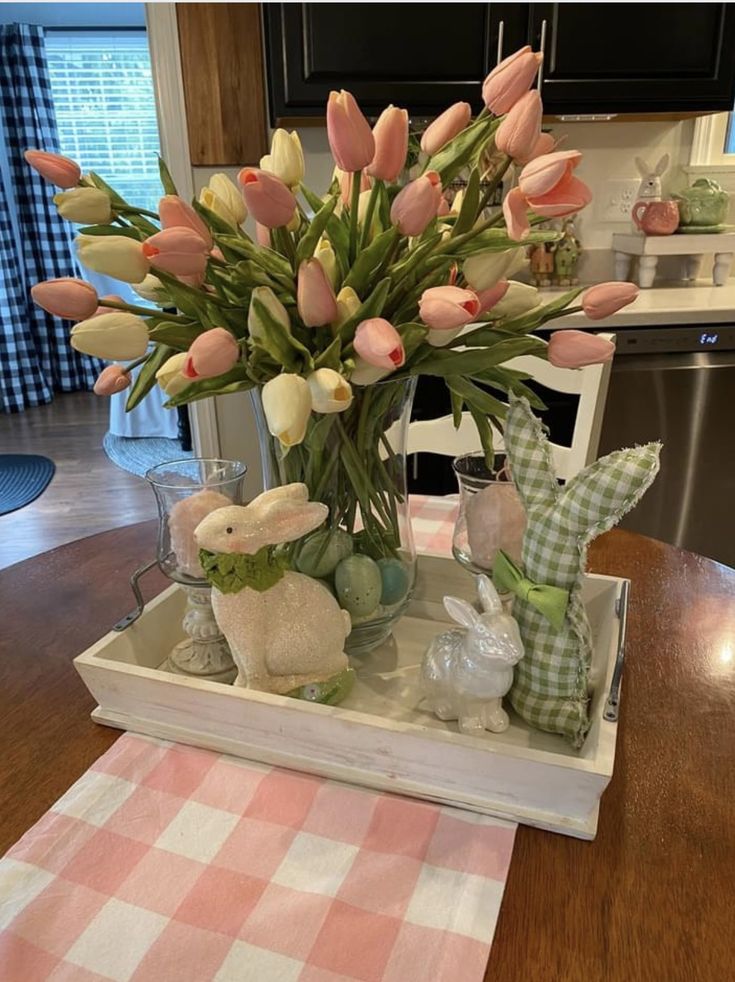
(651, 898)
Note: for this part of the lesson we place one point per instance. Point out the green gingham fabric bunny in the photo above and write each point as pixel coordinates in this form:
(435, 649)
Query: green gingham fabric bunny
(550, 688)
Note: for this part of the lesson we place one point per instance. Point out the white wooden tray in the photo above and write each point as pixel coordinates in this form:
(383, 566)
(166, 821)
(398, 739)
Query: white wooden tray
(379, 736)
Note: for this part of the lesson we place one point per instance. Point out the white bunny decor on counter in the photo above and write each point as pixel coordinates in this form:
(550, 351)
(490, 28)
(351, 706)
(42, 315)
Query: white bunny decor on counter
(286, 631)
(465, 674)
(650, 186)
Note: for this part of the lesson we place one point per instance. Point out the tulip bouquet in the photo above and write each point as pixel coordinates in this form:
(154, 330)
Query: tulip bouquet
(339, 302)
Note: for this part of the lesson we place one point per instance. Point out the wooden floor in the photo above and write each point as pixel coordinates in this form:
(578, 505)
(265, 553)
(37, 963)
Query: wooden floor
(87, 494)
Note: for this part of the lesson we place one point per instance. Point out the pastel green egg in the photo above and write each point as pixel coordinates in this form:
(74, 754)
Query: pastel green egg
(394, 577)
(321, 552)
(358, 585)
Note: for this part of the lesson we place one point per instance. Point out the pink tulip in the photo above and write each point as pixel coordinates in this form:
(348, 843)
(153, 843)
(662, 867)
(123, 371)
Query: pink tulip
(345, 185)
(174, 211)
(263, 235)
(66, 297)
(417, 204)
(61, 171)
(445, 127)
(212, 353)
(391, 144)
(177, 250)
(268, 199)
(112, 379)
(519, 132)
(606, 299)
(494, 294)
(217, 254)
(509, 80)
(546, 186)
(545, 144)
(108, 310)
(445, 307)
(444, 208)
(350, 137)
(575, 349)
(315, 298)
(378, 343)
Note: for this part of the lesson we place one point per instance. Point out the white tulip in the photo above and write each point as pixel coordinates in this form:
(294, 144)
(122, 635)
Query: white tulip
(113, 255)
(325, 254)
(286, 159)
(116, 336)
(223, 198)
(348, 303)
(85, 206)
(169, 376)
(330, 393)
(152, 289)
(519, 299)
(484, 269)
(287, 406)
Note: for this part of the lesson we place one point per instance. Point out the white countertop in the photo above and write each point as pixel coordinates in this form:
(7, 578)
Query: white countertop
(669, 304)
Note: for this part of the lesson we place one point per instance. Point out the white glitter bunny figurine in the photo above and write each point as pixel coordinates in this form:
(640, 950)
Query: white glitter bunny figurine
(465, 674)
(285, 630)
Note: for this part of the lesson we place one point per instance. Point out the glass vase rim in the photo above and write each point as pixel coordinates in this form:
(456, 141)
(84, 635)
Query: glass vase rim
(493, 476)
(149, 474)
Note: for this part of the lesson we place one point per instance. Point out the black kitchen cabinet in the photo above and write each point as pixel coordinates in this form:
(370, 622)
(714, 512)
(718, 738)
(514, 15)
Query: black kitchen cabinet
(635, 58)
(601, 58)
(422, 57)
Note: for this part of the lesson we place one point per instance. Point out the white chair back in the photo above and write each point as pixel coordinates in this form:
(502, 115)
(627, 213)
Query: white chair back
(440, 437)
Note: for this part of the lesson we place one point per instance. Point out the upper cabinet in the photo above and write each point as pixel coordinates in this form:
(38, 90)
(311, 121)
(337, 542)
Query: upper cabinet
(635, 58)
(422, 57)
(600, 57)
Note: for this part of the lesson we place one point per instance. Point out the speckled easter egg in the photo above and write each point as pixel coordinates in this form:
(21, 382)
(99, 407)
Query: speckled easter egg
(394, 579)
(358, 584)
(321, 552)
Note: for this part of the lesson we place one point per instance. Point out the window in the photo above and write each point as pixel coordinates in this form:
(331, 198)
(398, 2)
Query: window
(105, 108)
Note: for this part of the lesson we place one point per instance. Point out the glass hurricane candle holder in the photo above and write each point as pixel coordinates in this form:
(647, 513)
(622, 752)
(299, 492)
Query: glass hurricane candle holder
(186, 491)
(491, 515)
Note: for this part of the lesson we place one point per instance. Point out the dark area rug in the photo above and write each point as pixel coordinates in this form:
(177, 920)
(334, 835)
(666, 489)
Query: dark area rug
(23, 477)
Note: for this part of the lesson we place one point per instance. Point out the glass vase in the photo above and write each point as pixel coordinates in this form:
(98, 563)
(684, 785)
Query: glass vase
(186, 491)
(490, 516)
(355, 463)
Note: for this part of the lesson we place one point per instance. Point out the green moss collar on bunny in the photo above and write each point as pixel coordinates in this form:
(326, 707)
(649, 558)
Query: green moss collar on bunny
(231, 572)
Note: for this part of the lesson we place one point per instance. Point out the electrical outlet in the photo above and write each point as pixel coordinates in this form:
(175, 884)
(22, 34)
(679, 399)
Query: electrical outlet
(615, 202)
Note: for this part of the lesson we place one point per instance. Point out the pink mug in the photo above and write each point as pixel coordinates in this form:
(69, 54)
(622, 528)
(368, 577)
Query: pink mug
(656, 217)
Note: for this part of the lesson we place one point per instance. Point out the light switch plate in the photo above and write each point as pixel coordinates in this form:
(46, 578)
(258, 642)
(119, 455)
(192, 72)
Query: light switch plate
(615, 202)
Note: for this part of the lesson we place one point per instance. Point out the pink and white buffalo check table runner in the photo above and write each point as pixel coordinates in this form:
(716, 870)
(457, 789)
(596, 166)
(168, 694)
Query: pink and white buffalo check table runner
(165, 863)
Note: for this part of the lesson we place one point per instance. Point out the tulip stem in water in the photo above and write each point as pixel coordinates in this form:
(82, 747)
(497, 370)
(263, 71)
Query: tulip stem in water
(354, 208)
(372, 201)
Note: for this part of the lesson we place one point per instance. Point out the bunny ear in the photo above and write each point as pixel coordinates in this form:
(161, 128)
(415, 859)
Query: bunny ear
(290, 492)
(643, 169)
(286, 520)
(662, 165)
(598, 497)
(460, 611)
(488, 595)
(529, 453)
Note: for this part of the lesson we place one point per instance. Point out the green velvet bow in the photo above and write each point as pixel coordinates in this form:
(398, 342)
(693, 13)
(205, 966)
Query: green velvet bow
(231, 572)
(551, 601)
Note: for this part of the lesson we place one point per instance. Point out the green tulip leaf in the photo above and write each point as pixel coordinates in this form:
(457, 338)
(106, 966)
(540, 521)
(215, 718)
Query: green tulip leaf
(236, 380)
(147, 375)
(470, 204)
(176, 336)
(308, 242)
(167, 182)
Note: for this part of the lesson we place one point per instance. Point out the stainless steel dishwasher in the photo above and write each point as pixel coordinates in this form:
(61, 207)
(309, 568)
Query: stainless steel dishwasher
(677, 385)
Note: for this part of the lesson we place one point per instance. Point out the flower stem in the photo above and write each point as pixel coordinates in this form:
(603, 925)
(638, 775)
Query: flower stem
(354, 208)
(490, 190)
(372, 201)
(142, 311)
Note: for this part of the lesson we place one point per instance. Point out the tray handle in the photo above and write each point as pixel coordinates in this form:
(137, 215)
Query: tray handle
(133, 616)
(613, 697)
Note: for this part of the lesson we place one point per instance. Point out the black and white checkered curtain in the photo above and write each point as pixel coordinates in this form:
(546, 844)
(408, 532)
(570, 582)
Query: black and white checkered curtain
(36, 358)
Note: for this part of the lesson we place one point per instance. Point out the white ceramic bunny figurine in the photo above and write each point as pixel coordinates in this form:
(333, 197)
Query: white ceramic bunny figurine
(285, 630)
(650, 186)
(465, 674)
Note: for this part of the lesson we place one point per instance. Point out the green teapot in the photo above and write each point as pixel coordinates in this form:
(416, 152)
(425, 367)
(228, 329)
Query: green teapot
(704, 203)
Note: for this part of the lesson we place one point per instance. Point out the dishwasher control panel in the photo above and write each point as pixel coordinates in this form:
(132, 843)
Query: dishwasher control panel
(666, 340)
